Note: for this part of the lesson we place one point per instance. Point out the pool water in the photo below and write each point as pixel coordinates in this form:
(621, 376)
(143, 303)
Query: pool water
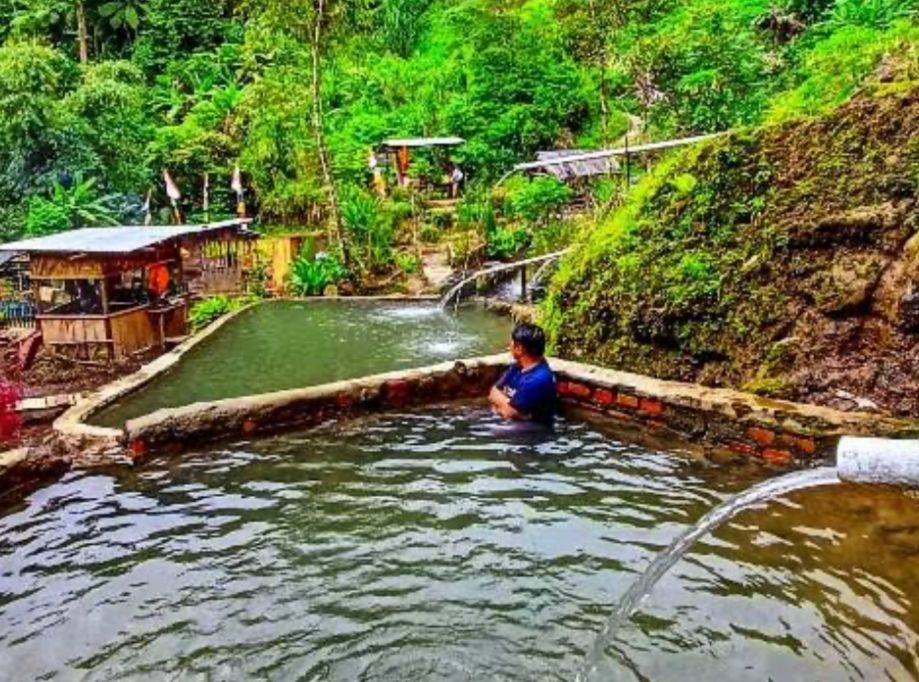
(286, 344)
(419, 547)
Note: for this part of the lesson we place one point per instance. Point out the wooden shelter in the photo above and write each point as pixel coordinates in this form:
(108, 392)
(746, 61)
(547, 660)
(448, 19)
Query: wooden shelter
(400, 149)
(567, 164)
(16, 309)
(121, 290)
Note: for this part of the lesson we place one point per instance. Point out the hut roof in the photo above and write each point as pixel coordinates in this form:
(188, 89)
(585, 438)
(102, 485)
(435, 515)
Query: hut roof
(115, 240)
(398, 143)
(566, 164)
(545, 164)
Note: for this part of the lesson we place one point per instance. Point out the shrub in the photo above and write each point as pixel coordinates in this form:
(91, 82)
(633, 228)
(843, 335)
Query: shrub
(504, 244)
(475, 211)
(371, 228)
(429, 234)
(871, 13)
(409, 263)
(310, 275)
(206, 311)
(536, 200)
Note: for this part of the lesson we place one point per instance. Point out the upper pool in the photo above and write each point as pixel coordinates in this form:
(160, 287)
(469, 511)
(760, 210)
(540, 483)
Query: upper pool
(291, 344)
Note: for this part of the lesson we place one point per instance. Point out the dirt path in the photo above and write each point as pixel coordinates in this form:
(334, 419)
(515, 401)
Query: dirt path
(437, 269)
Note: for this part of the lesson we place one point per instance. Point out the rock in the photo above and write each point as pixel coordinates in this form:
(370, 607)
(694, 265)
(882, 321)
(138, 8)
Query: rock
(857, 403)
(908, 312)
(849, 285)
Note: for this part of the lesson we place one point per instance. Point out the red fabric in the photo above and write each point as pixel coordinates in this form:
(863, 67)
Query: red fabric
(159, 279)
(10, 420)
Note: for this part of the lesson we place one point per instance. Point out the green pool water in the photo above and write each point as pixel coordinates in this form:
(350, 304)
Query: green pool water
(282, 344)
(417, 546)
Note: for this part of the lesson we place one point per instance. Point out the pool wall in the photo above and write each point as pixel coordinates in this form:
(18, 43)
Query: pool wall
(780, 432)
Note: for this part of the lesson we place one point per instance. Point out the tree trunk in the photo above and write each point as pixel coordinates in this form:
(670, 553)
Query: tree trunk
(335, 233)
(82, 33)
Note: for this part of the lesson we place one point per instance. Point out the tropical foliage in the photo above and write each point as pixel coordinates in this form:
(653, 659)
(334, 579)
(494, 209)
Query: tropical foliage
(114, 91)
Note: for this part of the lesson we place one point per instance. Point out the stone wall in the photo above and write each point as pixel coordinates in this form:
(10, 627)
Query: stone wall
(777, 431)
(252, 415)
(774, 430)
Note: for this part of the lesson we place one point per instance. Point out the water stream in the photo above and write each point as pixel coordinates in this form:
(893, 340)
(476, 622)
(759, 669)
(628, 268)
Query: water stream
(641, 588)
(455, 294)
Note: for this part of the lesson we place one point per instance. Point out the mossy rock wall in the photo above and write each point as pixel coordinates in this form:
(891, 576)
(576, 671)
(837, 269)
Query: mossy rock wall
(783, 261)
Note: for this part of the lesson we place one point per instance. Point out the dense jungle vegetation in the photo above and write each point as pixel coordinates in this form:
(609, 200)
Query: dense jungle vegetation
(98, 97)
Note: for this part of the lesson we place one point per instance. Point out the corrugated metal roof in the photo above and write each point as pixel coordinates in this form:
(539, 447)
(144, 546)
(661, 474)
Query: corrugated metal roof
(423, 142)
(7, 256)
(620, 151)
(120, 240)
(556, 164)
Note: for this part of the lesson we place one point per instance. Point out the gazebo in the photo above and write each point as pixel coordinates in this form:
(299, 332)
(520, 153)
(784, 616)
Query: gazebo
(121, 290)
(570, 164)
(400, 149)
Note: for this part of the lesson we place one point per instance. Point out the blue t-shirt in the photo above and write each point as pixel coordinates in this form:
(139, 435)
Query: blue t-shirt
(532, 391)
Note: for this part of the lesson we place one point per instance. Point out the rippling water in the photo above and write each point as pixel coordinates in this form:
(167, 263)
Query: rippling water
(418, 547)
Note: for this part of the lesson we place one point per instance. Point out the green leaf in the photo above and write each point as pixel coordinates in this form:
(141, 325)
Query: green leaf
(132, 18)
(109, 9)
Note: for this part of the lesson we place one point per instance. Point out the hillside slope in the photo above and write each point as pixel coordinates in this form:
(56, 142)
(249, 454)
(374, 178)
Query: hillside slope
(785, 261)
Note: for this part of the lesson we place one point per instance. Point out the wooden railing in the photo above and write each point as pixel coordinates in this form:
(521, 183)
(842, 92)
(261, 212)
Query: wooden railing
(17, 315)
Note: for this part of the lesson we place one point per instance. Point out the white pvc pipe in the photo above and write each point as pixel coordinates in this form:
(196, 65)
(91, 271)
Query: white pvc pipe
(878, 460)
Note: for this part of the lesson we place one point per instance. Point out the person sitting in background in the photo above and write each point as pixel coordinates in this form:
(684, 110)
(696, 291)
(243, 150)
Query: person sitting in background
(456, 181)
(526, 392)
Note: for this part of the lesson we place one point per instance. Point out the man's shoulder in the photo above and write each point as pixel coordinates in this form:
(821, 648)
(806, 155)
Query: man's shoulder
(542, 373)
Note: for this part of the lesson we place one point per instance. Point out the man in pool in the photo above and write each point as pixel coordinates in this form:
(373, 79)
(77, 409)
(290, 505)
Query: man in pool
(526, 394)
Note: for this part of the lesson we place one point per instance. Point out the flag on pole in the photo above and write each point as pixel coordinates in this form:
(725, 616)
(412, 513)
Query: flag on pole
(172, 191)
(148, 213)
(207, 195)
(236, 184)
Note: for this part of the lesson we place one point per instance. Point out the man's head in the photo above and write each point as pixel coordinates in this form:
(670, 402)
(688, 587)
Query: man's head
(528, 341)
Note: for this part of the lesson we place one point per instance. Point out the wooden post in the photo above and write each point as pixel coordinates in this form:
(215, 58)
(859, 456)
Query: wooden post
(206, 198)
(628, 165)
(523, 283)
(111, 350)
(103, 292)
(162, 320)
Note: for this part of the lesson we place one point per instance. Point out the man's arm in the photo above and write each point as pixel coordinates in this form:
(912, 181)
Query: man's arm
(502, 404)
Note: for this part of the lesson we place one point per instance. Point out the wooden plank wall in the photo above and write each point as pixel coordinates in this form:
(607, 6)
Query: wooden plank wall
(73, 330)
(133, 331)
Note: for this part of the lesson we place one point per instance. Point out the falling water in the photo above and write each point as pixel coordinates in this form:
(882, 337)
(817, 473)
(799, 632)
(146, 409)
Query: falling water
(641, 589)
(456, 291)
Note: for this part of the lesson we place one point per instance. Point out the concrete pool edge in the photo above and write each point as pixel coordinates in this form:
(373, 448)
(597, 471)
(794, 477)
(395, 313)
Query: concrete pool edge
(104, 443)
(779, 432)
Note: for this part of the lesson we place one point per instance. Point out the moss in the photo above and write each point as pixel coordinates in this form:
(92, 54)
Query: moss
(724, 249)
(768, 388)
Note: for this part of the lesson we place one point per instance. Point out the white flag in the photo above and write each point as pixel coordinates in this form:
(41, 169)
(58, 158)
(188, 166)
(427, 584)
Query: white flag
(172, 190)
(237, 183)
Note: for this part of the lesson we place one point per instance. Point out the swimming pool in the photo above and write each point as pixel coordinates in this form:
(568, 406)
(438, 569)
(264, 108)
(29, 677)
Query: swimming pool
(291, 344)
(418, 546)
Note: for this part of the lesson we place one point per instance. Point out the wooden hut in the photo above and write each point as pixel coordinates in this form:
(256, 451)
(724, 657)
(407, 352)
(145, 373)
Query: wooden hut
(16, 309)
(400, 150)
(120, 290)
